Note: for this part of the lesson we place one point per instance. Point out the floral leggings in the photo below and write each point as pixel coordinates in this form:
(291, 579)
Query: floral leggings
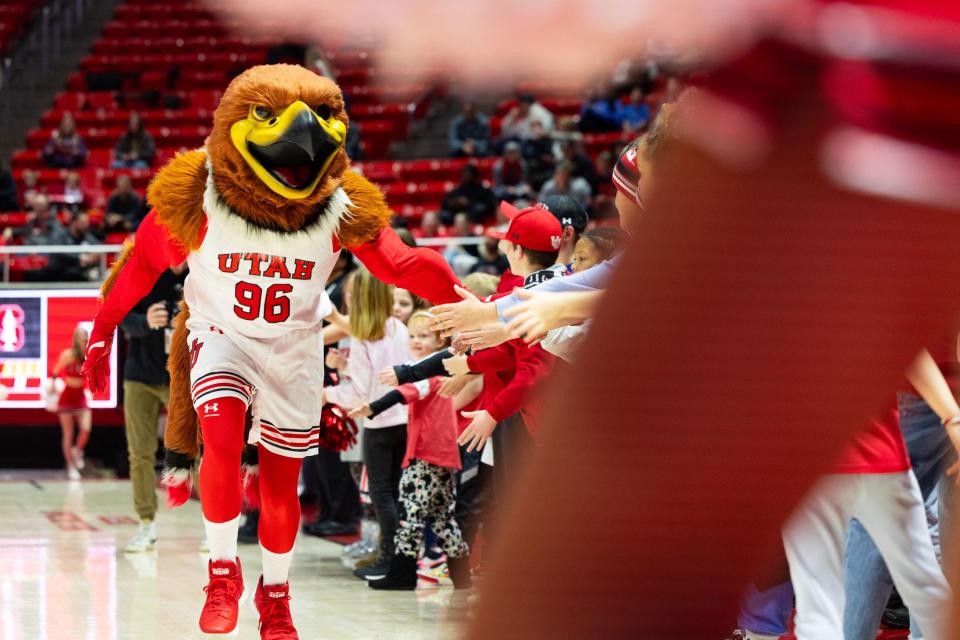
(428, 492)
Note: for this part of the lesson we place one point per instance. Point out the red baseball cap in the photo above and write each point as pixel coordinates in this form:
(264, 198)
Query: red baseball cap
(535, 228)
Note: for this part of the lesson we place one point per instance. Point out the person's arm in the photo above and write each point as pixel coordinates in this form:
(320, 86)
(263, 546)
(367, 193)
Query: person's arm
(471, 313)
(539, 312)
(928, 380)
(356, 389)
(153, 252)
(500, 358)
(470, 392)
(424, 369)
(135, 324)
(420, 270)
(532, 366)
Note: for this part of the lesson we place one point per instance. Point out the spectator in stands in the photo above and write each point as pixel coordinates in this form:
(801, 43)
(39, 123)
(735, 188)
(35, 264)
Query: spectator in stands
(461, 257)
(571, 151)
(124, 208)
(635, 115)
(601, 112)
(469, 133)
(30, 188)
(42, 226)
(65, 148)
(471, 196)
(510, 174)
(430, 227)
(135, 148)
(73, 193)
(490, 259)
(564, 182)
(8, 191)
(68, 267)
(538, 152)
(519, 121)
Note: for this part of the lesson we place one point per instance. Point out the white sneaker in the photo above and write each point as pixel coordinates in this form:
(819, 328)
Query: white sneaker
(72, 474)
(145, 540)
(78, 461)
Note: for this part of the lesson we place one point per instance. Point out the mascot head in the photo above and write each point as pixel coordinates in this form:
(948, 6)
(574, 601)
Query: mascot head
(276, 147)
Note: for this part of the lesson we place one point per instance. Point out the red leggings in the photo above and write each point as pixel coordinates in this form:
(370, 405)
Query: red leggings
(221, 422)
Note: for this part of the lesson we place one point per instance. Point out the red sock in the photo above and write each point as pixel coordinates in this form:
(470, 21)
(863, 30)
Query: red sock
(221, 422)
(279, 503)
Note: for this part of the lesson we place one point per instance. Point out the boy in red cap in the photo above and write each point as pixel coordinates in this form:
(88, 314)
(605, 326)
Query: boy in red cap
(531, 243)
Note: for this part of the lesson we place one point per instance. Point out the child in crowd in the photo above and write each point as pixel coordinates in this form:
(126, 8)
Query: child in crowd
(72, 407)
(427, 486)
(406, 303)
(378, 340)
(593, 247)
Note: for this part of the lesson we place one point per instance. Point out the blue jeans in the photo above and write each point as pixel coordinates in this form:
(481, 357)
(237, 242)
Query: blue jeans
(867, 581)
(766, 612)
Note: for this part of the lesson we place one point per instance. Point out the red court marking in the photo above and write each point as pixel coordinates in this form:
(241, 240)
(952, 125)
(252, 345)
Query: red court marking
(66, 521)
(116, 520)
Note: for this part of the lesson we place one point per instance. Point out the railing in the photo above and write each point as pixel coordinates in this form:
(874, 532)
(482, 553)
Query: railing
(42, 45)
(105, 250)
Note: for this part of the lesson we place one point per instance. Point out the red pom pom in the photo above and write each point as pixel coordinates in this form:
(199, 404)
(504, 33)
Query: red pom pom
(338, 432)
(179, 487)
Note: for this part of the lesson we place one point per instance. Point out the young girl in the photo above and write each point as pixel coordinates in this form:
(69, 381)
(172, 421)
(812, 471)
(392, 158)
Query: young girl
(597, 245)
(406, 303)
(378, 340)
(593, 247)
(72, 408)
(432, 458)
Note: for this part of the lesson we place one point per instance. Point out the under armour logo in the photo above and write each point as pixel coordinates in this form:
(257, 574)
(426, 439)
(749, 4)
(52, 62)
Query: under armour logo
(210, 408)
(566, 221)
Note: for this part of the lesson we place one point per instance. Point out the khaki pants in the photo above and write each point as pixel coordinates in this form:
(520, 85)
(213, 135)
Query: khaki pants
(141, 412)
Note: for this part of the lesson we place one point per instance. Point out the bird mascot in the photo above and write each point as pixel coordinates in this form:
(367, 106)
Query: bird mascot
(260, 215)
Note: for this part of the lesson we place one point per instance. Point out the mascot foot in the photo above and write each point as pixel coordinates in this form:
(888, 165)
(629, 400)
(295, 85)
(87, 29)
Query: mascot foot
(222, 607)
(273, 604)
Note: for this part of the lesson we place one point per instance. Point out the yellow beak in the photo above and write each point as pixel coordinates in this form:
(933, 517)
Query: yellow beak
(289, 152)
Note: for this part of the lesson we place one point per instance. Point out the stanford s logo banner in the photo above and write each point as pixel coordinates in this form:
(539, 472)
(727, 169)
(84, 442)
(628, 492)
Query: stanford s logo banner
(12, 333)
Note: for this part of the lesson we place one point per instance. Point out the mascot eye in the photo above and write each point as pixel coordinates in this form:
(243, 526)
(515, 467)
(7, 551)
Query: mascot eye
(324, 112)
(262, 113)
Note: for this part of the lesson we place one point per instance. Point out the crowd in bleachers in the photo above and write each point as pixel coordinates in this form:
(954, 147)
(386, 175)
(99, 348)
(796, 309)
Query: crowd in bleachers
(152, 81)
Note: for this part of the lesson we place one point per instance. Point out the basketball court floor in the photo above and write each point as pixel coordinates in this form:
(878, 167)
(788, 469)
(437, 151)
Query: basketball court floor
(63, 575)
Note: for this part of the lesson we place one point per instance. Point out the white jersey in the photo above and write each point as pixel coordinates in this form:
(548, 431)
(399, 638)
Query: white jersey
(258, 283)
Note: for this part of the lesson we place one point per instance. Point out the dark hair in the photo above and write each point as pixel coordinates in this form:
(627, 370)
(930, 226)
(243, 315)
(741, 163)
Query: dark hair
(541, 259)
(406, 237)
(609, 241)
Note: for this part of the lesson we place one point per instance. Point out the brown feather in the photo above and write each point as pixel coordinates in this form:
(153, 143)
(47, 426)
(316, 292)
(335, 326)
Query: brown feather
(176, 193)
(116, 268)
(369, 213)
(183, 432)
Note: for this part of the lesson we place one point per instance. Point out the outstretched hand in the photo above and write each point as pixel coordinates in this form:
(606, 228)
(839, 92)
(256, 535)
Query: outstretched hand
(535, 315)
(388, 377)
(362, 411)
(478, 431)
(469, 313)
(96, 363)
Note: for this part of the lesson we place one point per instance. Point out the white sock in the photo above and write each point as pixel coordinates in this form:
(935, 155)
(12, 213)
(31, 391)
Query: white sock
(222, 537)
(276, 566)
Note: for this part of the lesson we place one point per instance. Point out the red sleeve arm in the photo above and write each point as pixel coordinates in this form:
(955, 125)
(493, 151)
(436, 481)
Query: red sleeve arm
(154, 250)
(416, 269)
(533, 366)
(502, 357)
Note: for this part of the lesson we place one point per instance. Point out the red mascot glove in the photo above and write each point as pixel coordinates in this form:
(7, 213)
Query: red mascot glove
(96, 364)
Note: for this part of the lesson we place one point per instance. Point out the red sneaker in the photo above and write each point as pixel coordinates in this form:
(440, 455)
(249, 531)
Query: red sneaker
(273, 603)
(222, 607)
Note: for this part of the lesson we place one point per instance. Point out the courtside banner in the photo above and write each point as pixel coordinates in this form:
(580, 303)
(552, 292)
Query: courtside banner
(35, 327)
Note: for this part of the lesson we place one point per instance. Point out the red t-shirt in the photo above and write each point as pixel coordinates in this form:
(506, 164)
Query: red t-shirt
(432, 426)
(878, 449)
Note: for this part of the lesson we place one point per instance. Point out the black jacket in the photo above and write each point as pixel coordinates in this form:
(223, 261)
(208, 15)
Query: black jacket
(146, 353)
